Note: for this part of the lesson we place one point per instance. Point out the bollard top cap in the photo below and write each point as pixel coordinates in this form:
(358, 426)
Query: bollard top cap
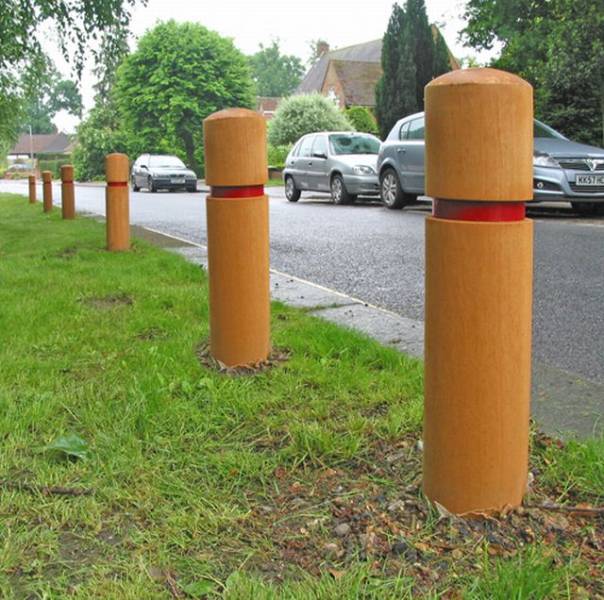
(478, 76)
(46, 175)
(235, 148)
(66, 170)
(117, 168)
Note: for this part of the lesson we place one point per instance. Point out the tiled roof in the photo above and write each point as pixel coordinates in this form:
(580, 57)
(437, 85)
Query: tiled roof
(358, 80)
(52, 143)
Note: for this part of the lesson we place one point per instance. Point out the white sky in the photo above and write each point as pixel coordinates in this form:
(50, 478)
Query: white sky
(339, 22)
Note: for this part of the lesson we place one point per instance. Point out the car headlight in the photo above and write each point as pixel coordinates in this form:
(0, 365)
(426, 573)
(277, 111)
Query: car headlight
(363, 170)
(541, 159)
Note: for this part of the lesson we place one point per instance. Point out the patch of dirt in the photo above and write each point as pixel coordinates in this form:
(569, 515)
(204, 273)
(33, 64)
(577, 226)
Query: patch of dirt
(109, 301)
(276, 357)
(327, 519)
(153, 333)
(67, 253)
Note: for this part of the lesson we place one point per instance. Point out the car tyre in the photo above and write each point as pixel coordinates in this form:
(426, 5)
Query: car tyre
(292, 193)
(151, 185)
(588, 209)
(135, 187)
(339, 193)
(192, 189)
(391, 192)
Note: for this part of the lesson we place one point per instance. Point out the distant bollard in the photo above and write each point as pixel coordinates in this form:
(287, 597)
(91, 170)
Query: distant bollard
(238, 239)
(67, 192)
(32, 189)
(117, 200)
(479, 260)
(47, 191)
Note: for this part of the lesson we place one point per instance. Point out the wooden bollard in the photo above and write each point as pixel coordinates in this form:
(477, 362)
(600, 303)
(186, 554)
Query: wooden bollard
(46, 191)
(67, 192)
(479, 258)
(32, 189)
(238, 240)
(117, 202)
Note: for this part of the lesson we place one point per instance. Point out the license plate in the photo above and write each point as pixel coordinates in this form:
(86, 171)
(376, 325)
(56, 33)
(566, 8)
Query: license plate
(584, 179)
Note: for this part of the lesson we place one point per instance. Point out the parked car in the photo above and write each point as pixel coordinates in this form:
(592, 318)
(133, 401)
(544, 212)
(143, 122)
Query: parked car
(18, 171)
(563, 170)
(341, 163)
(160, 171)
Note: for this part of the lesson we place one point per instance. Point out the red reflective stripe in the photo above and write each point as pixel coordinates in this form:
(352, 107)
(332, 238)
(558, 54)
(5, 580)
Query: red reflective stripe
(469, 210)
(117, 183)
(67, 181)
(243, 191)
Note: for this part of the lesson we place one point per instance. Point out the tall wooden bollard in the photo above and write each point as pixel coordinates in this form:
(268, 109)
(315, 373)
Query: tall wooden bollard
(46, 191)
(117, 202)
(32, 189)
(238, 239)
(67, 192)
(479, 258)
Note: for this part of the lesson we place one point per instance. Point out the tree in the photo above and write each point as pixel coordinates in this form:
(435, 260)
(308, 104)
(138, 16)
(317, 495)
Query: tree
(179, 74)
(413, 53)
(298, 115)
(318, 48)
(362, 119)
(275, 74)
(395, 93)
(558, 46)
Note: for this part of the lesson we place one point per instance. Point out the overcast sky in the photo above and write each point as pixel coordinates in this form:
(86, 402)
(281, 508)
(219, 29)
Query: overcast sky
(339, 22)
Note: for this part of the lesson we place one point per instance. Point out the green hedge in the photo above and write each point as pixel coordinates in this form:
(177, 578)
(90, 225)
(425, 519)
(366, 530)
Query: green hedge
(277, 155)
(53, 165)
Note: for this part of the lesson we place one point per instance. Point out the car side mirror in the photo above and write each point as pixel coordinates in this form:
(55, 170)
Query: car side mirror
(144, 167)
(319, 155)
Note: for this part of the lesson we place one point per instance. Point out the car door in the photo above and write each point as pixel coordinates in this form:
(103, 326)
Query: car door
(318, 167)
(143, 171)
(304, 162)
(410, 155)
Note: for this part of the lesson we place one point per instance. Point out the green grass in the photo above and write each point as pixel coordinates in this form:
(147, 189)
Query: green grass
(180, 460)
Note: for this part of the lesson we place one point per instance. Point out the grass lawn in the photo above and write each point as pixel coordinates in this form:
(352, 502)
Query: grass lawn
(129, 470)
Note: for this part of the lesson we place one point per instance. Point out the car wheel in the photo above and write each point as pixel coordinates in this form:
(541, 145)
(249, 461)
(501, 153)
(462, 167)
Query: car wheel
(339, 193)
(192, 188)
(151, 185)
(588, 209)
(135, 187)
(391, 192)
(292, 193)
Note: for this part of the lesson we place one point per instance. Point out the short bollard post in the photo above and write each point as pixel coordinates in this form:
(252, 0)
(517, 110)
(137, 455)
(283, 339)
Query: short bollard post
(32, 189)
(479, 245)
(238, 241)
(67, 192)
(46, 191)
(117, 200)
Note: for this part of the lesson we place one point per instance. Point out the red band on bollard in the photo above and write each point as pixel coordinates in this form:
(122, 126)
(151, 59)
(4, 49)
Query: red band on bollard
(244, 191)
(117, 183)
(469, 210)
(67, 181)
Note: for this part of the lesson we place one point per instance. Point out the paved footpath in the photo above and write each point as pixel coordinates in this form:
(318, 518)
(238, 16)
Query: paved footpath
(362, 267)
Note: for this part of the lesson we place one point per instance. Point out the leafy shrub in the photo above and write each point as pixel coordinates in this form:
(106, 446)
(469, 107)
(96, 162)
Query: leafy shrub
(277, 155)
(53, 165)
(362, 119)
(299, 115)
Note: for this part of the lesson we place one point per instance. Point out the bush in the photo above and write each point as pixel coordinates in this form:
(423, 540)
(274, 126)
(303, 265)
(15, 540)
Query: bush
(53, 165)
(362, 119)
(299, 115)
(277, 155)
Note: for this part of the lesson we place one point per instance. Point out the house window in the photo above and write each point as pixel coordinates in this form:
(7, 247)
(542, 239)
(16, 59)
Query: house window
(331, 95)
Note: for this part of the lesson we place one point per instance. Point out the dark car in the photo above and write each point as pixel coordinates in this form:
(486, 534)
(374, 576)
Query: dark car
(563, 170)
(162, 171)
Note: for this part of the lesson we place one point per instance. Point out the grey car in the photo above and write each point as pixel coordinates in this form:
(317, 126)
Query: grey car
(162, 171)
(563, 170)
(341, 163)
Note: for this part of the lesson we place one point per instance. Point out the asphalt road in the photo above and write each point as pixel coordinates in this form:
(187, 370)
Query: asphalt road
(377, 255)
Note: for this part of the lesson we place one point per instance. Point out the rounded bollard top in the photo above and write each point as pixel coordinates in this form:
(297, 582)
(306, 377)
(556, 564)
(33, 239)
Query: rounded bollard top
(67, 173)
(46, 176)
(479, 136)
(117, 168)
(235, 148)
(32, 178)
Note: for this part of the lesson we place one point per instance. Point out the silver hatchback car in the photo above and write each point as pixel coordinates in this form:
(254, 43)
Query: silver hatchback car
(342, 163)
(563, 170)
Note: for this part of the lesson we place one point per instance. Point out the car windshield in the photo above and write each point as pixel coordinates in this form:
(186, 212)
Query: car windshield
(541, 130)
(165, 161)
(351, 143)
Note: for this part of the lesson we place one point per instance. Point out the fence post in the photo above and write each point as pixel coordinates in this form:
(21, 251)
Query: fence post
(32, 189)
(238, 239)
(67, 192)
(479, 258)
(117, 202)
(47, 191)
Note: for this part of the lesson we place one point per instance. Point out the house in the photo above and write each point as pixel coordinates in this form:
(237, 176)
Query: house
(349, 75)
(41, 146)
(266, 106)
